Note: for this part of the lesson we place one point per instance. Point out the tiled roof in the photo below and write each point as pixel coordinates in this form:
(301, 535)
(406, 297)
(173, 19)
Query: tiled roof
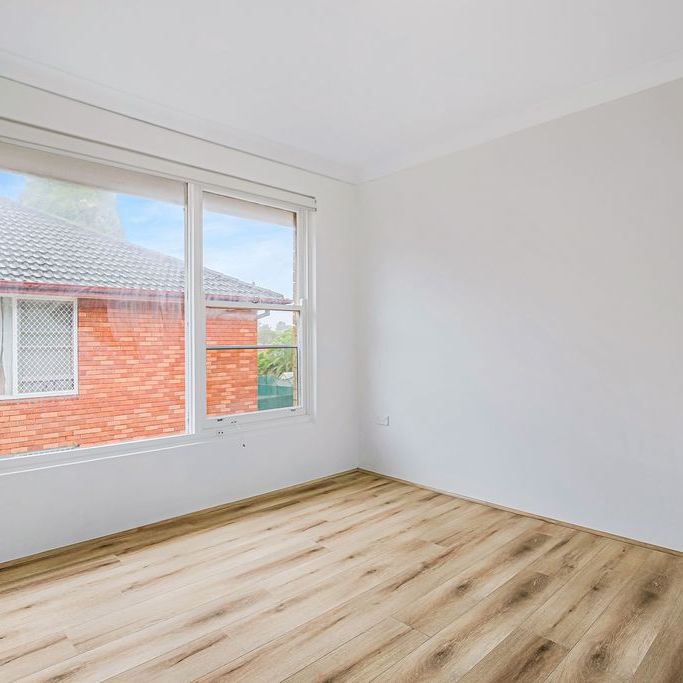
(38, 248)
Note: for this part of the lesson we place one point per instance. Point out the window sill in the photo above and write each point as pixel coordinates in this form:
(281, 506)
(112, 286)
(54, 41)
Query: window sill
(46, 395)
(13, 464)
(249, 422)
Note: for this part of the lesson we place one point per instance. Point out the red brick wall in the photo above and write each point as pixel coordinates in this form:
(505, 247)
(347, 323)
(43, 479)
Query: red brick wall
(132, 379)
(231, 376)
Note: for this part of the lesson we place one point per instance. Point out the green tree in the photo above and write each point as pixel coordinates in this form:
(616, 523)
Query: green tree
(87, 207)
(276, 361)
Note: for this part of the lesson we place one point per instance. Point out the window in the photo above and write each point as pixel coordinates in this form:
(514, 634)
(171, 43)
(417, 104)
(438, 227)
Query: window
(38, 349)
(106, 337)
(92, 291)
(253, 350)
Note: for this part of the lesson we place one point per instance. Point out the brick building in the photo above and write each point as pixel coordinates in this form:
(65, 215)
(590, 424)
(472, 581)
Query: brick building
(92, 337)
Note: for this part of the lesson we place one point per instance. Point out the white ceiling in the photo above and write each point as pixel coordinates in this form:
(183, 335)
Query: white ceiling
(350, 88)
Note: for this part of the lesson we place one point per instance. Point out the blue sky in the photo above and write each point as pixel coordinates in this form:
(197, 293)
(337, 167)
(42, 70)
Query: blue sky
(246, 249)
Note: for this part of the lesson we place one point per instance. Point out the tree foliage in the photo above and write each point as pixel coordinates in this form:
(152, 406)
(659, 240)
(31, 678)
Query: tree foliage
(87, 207)
(276, 361)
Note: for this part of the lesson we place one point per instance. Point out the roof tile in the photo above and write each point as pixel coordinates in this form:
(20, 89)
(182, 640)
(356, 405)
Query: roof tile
(38, 248)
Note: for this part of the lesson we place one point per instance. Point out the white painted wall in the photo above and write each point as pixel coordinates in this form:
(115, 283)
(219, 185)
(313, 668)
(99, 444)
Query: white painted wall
(521, 320)
(49, 508)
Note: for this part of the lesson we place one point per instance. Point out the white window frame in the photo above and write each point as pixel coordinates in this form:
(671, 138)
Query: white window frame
(15, 395)
(299, 307)
(24, 138)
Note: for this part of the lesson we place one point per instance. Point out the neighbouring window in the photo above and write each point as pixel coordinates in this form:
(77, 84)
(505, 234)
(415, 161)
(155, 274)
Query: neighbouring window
(253, 346)
(38, 347)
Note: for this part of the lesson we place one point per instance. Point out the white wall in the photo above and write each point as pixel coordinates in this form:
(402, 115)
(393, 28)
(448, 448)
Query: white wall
(522, 320)
(49, 508)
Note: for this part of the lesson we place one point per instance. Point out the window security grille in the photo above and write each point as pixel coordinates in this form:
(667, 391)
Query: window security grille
(45, 346)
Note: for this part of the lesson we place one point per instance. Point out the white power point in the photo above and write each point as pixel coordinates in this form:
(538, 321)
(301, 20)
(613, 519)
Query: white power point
(382, 420)
(220, 433)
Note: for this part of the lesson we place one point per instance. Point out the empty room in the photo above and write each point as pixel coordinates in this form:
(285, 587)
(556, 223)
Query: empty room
(341, 341)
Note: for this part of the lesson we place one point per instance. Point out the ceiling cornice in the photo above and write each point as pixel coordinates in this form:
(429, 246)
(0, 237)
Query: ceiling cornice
(621, 85)
(63, 84)
(90, 93)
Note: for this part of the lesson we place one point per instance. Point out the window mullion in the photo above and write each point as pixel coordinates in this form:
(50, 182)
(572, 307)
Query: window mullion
(195, 315)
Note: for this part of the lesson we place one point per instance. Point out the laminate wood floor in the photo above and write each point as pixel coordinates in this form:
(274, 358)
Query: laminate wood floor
(354, 578)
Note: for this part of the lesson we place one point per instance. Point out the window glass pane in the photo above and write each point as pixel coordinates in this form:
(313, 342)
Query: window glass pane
(249, 251)
(236, 383)
(91, 298)
(245, 380)
(277, 381)
(277, 327)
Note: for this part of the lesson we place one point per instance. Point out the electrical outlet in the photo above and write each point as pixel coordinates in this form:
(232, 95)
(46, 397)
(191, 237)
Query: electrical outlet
(382, 420)
(220, 433)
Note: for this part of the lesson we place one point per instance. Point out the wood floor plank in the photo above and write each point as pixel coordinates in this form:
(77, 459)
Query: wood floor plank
(99, 599)
(34, 656)
(74, 572)
(362, 526)
(616, 644)
(477, 516)
(360, 659)
(352, 578)
(291, 583)
(573, 609)
(572, 551)
(239, 579)
(523, 657)
(457, 595)
(663, 662)
(456, 649)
